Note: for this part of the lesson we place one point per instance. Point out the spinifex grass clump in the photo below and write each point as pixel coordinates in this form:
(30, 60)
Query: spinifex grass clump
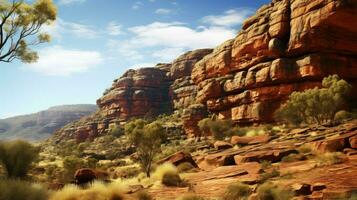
(17, 157)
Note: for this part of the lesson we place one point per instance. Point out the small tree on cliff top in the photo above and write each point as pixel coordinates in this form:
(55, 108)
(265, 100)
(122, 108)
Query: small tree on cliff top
(147, 139)
(20, 28)
(316, 105)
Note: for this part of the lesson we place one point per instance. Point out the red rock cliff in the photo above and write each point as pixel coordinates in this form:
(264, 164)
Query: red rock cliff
(288, 45)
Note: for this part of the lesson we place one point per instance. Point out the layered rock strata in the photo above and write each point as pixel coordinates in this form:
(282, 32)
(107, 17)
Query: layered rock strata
(289, 45)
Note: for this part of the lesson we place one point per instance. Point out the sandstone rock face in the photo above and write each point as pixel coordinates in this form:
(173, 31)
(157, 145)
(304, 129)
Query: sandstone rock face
(191, 116)
(288, 45)
(183, 90)
(136, 94)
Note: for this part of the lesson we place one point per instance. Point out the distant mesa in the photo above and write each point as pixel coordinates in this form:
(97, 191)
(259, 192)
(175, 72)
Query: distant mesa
(41, 125)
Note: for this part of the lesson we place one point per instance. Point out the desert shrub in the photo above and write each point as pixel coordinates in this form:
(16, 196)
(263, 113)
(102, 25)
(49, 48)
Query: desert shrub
(128, 172)
(343, 115)
(17, 157)
(255, 132)
(204, 126)
(163, 169)
(171, 179)
(218, 128)
(304, 149)
(265, 164)
(116, 131)
(96, 191)
(270, 191)
(147, 138)
(185, 167)
(316, 105)
(70, 147)
(235, 131)
(12, 189)
(52, 171)
(70, 165)
(330, 158)
(293, 157)
(268, 175)
(237, 191)
(142, 195)
(190, 197)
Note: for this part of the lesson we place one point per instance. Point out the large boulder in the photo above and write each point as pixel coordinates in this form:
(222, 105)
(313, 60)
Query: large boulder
(178, 158)
(88, 175)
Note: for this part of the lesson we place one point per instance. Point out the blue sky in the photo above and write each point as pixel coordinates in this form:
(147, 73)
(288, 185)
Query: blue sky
(95, 42)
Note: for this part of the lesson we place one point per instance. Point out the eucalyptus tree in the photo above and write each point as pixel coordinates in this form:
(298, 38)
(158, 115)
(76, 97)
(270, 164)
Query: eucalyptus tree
(21, 28)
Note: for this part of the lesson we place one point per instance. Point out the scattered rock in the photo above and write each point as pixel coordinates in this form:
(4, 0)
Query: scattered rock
(84, 176)
(268, 155)
(245, 140)
(301, 189)
(318, 187)
(178, 158)
(221, 145)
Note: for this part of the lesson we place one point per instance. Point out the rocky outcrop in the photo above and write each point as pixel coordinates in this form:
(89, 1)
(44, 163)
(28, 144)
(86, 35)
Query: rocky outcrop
(138, 93)
(289, 45)
(183, 90)
(142, 93)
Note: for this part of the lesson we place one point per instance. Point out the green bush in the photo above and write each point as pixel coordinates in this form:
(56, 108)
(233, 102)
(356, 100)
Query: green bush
(70, 165)
(343, 115)
(293, 157)
(171, 179)
(116, 131)
(268, 175)
(316, 105)
(19, 190)
(237, 191)
(218, 128)
(147, 138)
(270, 191)
(17, 157)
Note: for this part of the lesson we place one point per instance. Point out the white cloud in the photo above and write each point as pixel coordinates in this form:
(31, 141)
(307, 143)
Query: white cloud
(137, 5)
(179, 35)
(229, 18)
(58, 61)
(67, 2)
(167, 54)
(142, 65)
(60, 27)
(114, 28)
(166, 41)
(163, 11)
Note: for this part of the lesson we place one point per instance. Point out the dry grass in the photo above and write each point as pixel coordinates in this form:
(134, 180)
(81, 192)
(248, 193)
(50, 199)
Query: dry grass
(161, 170)
(97, 191)
(270, 191)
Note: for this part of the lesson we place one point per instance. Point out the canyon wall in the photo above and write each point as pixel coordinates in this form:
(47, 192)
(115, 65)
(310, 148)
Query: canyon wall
(288, 45)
